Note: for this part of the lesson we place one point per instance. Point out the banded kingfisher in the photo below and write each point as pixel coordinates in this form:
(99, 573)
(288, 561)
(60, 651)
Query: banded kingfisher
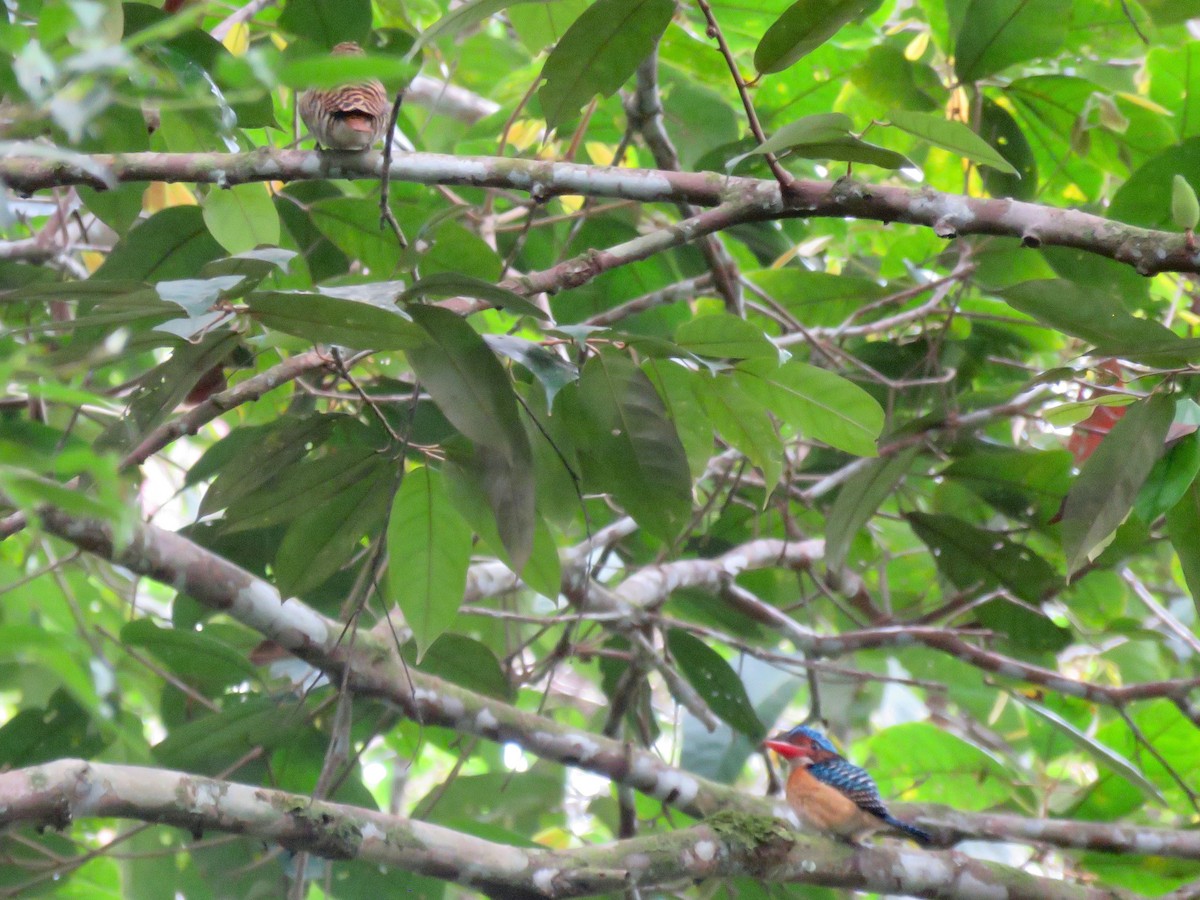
(830, 793)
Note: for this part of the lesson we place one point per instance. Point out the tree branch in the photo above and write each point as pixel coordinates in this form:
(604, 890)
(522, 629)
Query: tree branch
(949, 215)
(60, 792)
(375, 672)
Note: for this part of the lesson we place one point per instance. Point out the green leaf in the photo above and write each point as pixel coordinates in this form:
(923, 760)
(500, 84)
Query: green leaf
(852, 149)
(322, 540)
(858, 500)
(38, 651)
(204, 662)
(1097, 316)
(174, 243)
(1000, 130)
(37, 735)
(1105, 756)
(210, 743)
(306, 484)
(724, 337)
(680, 389)
(721, 755)
(819, 128)
(463, 661)
(744, 421)
(323, 319)
(803, 27)
(454, 284)
(474, 392)
(328, 22)
(551, 370)
(994, 34)
(599, 52)
(1185, 208)
(822, 405)
(1109, 481)
(1019, 483)
(826, 136)
(352, 225)
(466, 484)
(1145, 197)
(953, 136)
(166, 386)
(927, 764)
(327, 71)
(1170, 478)
(717, 684)
(972, 558)
(241, 217)
(463, 17)
(429, 549)
(633, 444)
(250, 456)
(1183, 528)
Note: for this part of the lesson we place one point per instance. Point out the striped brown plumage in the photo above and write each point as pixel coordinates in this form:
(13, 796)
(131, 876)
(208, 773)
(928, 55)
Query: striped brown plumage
(349, 117)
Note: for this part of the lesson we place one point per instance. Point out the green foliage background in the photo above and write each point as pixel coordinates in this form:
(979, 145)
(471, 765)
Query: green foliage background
(930, 444)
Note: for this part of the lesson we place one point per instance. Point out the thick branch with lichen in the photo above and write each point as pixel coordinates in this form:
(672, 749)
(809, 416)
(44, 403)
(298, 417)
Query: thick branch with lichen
(729, 844)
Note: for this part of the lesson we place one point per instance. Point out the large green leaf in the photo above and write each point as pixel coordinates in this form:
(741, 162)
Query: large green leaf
(323, 539)
(352, 225)
(721, 755)
(173, 243)
(241, 217)
(327, 22)
(1183, 528)
(429, 548)
(306, 484)
(323, 319)
(1103, 755)
(1145, 197)
(714, 680)
(634, 446)
(743, 420)
(997, 33)
(804, 26)
(1110, 480)
(455, 284)
(474, 392)
(203, 662)
(821, 404)
(859, 499)
(953, 136)
(724, 337)
(599, 52)
(973, 558)
(463, 661)
(926, 763)
(1097, 316)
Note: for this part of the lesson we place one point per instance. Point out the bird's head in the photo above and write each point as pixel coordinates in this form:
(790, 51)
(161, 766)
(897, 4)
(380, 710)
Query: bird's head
(802, 746)
(347, 48)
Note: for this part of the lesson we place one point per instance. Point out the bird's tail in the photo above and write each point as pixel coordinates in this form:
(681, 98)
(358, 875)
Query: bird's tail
(924, 838)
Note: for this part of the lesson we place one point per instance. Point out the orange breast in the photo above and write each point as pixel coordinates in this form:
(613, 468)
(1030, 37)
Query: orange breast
(825, 808)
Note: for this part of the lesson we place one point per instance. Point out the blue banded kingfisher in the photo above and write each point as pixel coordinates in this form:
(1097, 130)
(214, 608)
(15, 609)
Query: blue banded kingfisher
(830, 793)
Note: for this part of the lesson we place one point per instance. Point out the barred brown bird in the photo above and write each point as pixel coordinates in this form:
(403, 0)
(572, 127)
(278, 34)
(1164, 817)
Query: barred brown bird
(349, 117)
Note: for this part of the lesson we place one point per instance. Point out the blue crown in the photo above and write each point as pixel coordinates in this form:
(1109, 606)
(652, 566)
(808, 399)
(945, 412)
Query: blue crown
(813, 735)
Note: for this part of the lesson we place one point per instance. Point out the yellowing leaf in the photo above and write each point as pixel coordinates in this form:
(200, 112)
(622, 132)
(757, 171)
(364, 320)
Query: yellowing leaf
(601, 154)
(237, 39)
(524, 132)
(571, 202)
(917, 46)
(160, 195)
